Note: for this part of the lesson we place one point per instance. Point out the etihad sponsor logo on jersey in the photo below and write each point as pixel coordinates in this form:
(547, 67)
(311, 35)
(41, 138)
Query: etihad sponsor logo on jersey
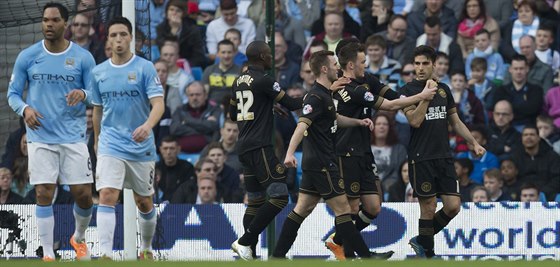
(246, 79)
(52, 78)
(436, 113)
(120, 94)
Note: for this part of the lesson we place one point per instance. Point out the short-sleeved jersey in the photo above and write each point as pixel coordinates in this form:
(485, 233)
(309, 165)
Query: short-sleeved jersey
(124, 92)
(355, 101)
(431, 139)
(50, 77)
(254, 93)
(319, 112)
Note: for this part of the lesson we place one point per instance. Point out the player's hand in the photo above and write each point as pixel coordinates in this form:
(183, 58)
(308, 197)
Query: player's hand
(75, 96)
(141, 133)
(479, 150)
(290, 161)
(367, 123)
(340, 83)
(429, 90)
(31, 118)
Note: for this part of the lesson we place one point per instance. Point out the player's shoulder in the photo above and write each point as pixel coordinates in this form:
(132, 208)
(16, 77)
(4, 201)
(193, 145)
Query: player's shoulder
(32, 51)
(101, 67)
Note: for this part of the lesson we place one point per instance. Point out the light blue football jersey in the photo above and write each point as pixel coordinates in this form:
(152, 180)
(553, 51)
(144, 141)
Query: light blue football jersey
(49, 78)
(124, 92)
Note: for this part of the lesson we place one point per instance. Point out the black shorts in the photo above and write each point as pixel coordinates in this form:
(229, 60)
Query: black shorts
(359, 174)
(433, 177)
(261, 168)
(325, 183)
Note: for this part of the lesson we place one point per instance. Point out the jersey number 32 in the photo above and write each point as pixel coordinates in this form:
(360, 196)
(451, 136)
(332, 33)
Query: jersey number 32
(244, 103)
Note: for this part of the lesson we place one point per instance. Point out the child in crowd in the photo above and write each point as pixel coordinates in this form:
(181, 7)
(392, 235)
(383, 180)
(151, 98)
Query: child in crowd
(441, 68)
(469, 107)
(482, 87)
(494, 183)
(483, 49)
(545, 53)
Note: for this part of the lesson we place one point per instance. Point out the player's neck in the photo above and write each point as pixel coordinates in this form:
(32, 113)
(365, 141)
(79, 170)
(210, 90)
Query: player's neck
(56, 46)
(324, 81)
(121, 59)
(349, 74)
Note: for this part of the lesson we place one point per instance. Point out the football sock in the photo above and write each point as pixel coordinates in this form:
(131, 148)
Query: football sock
(440, 221)
(45, 227)
(106, 221)
(264, 216)
(252, 208)
(288, 234)
(147, 224)
(426, 236)
(82, 218)
(350, 236)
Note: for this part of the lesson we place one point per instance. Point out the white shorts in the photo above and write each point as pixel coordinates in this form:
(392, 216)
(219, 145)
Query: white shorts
(67, 164)
(118, 173)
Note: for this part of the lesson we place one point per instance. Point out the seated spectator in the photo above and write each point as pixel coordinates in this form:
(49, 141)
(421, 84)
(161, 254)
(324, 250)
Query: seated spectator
(399, 45)
(188, 192)
(474, 19)
(441, 68)
(545, 53)
(434, 8)
(525, 97)
(20, 171)
(537, 162)
(494, 183)
(229, 19)
(314, 46)
(483, 163)
(161, 130)
(196, 123)
(434, 37)
(234, 36)
(227, 177)
(218, 78)
(387, 151)
(173, 171)
(177, 78)
(176, 23)
(482, 87)
(547, 131)
(407, 75)
(97, 30)
(469, 107)
(512, 184)
(287, 71)
(480, 194)
(290, 27)
(228, 139)
(6, 194)
(502, 136)
(12, 148)
(527, 23)
(552, 103)
(495, 68)
(397, 192)
(80, 27)
(464, 168)
(539, 73)
(377, 20)
(384, 68)
(349, 25)
(334, 32)
(207, 191)
(307, 76)
(61, 196)
(529, 193)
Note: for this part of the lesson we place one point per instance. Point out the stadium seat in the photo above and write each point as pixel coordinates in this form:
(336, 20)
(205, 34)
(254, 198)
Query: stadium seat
(192, 158)
(197, 73)
(542, 197)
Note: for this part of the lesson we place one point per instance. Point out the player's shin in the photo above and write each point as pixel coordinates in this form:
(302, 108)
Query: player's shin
(288, 234)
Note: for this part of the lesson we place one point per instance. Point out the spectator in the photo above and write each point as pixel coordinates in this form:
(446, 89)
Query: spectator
(20, 170)
(348, 24)
(285, 125)
(502, 136)
(495, 67)
(227, 177)
(156, 13)
(526, 24)
(229, 19)
(539, 72)
(552, 103)
(378, 20)
(483, 163)
(500, 10)
(482, 87)
(387, 151)
(537, 162)
(177, 78)
(431, 8)
(512, 185)
(177, 24)
(464, 168)
(384, 68)
(173, 171)
(287, 71)
(494, 183)
(480, 194)
(307, 76)
(12, 149)
(61, 196)
(434, 37)
(196, 123)
(207, 191)
(234, 36)
(97, 29)
(441, 68)
(228, 139)
(469, 107)
(473, 19)
(290, 27)
(544, 52)
(399, 45)
(162, 128)
(529, 193)
(547, 131)
(398, 191)
(6, 194)
(80, 28)
(188, 192)
(334, 26)
(526, 97)
(218, 78)
(314, 46)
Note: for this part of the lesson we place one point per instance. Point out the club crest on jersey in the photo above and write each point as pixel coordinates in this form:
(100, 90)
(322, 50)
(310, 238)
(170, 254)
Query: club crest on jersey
(307, 109)
(355, 187)
(132, 77)
(442, 93)
(368, 97)
(276, 87)
(69, 63)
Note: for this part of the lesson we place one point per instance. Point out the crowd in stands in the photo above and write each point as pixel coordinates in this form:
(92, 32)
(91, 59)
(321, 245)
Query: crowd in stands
(499, 57)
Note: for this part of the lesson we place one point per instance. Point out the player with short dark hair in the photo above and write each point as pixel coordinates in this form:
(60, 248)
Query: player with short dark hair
(254, 94)
(432, 172)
